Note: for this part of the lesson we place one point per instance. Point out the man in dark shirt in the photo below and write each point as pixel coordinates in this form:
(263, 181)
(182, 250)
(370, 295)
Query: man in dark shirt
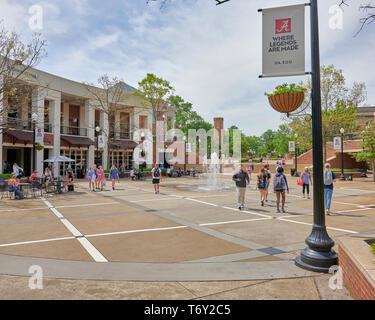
(242, 179)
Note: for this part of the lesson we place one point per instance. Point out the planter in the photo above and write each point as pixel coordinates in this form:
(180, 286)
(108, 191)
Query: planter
(286, 102)
(39, 148)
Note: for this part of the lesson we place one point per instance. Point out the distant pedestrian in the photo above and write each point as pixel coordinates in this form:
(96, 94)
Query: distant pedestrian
(262, 180)
(329, 179)
(242, 180)
(280, 184)
(268, 172)
(100, 174)
(132, 174)
(91, 177)
(156, 178)
(114, 174)
(17, 171)
(307, 181)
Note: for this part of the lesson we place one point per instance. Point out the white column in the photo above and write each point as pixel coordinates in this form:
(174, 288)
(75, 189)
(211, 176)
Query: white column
(55, 110)
(117, 125)
(82, 117)
(65, 114)
(38, 96)
(104, 125)
(90, 125)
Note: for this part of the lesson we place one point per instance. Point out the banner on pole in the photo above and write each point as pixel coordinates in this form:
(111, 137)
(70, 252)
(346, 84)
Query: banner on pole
(292, 146)
(284, 41)
(39, 135)
(188, 147)
(337, 143)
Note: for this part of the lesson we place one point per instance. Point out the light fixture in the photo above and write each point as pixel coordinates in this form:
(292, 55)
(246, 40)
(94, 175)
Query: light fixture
(34, 117)
(97, 129)
(296, 135)
(184, 138)
(342, 130)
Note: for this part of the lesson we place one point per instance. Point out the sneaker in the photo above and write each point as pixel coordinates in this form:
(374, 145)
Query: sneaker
(308, 197)
(277, 211)
(240, 208)
(328, 213)
(262, 203)
(283, 210)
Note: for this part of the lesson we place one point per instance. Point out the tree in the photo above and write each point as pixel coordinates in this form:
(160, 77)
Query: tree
(107, 99)
(369, 13)
(186, 117)
(281, 139)
(154, 92)
(339, 105)
(368, 145)
(16, 60)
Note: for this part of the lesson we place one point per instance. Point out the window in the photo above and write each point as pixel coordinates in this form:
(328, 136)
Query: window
(142, 122)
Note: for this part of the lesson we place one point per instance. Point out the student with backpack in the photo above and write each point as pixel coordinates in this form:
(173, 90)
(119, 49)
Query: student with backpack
(18, 171)
(268, 172)
(280, 184)
(329, 178)
(156, 177)
(262, 178)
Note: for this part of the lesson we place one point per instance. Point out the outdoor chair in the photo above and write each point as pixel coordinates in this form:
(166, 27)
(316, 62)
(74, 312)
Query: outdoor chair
(4, 189)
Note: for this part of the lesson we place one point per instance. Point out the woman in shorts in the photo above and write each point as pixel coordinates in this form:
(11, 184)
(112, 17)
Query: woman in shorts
(114, 174)
(100, 173)
(262, 184)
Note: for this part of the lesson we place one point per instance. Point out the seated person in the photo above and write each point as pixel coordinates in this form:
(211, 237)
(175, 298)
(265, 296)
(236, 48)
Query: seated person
(48, 177)
(13, 184)
(132, 174)
(33, 176)
(193, 172)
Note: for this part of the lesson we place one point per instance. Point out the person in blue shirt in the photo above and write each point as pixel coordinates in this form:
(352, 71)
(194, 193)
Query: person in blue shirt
(114, 174)
(91, 177)
(307, 181)
(329, 179)
(280, 184)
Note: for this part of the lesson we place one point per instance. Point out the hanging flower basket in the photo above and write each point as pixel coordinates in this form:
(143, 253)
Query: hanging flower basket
(101, 150)
(286, 99)
(39, 146)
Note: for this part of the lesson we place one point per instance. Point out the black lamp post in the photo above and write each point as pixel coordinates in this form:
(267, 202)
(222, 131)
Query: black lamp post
(184, 154)
(296, 155)
(342, 178)
(97, 129)
(34, 119)
(318, 255)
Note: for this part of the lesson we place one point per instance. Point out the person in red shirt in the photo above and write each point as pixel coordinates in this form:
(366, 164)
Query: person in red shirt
(33, 176)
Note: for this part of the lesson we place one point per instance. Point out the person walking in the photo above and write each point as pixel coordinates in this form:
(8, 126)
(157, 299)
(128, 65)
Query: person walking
(261, 184)
(242, 180)
(114, 174)
(100, 173)
(268, 172)
(17, 171)
(156, 178)
(91, 177)
(280, 184)
(307, 181)
(329, 178)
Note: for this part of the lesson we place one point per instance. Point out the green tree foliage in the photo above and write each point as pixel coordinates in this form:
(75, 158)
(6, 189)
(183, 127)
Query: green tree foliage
(368, 145)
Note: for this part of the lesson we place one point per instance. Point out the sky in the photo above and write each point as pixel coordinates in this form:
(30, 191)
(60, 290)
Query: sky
(210, 54)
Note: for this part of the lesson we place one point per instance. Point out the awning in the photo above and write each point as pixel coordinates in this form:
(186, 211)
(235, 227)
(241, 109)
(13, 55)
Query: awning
(21, 135)
(125, 144)
(78, 141)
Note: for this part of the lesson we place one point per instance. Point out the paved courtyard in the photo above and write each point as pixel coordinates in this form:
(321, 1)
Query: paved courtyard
(185, 243)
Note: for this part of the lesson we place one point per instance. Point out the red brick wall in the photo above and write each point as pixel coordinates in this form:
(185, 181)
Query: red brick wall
(354, 279)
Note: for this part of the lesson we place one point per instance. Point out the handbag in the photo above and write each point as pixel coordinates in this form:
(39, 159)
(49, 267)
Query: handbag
(300, 182)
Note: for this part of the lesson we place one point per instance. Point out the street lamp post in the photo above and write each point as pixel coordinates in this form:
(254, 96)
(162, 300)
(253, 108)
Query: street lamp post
(97, 129)
(164, 131)
(295, 153)
(34, 119)
(184, 154)
(342, 178)
(318, 256)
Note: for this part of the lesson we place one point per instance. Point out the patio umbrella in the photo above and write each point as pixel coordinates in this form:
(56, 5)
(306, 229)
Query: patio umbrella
(59, 159)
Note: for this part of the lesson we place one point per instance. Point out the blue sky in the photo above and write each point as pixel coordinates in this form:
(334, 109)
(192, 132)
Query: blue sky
(211, 54)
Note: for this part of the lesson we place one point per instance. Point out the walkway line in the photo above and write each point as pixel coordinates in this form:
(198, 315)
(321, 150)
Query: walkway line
(134, 231)
(16, 209)
(86, 205)
(233, 221)
(35, 241)
(354, 210)
(94, 253)
(210, 204)
(310, 224)
(250, 212)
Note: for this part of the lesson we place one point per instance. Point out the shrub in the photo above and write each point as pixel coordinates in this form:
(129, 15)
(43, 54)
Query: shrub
(6, 176)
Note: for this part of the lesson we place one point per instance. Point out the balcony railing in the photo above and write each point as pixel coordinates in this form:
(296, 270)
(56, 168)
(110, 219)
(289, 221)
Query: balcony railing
(18, 124)
(73, 131)
(124, 134)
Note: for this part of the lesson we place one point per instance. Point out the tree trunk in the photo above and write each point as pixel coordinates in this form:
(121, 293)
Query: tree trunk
(373, 170)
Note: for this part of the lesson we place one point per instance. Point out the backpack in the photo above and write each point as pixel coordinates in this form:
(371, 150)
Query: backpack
(279, 182)
(18, 195)
(157, 173)
(261, 184)
(328, 178)
(21, 173)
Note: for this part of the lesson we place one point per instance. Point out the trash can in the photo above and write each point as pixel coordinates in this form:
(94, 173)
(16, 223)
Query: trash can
(292, 172)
